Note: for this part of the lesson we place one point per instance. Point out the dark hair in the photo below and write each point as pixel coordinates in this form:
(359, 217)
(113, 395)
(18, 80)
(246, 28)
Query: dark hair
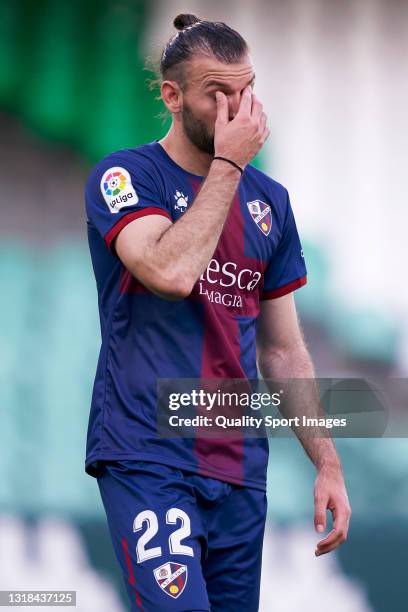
(211, 38)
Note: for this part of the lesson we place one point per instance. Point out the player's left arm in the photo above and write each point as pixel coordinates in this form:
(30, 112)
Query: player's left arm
(282, 353)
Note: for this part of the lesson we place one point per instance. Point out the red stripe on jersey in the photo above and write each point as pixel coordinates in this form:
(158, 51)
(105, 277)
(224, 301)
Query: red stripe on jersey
(130, 284)
(288, 288)
(131, 216)
(132, 580)
(225, 454)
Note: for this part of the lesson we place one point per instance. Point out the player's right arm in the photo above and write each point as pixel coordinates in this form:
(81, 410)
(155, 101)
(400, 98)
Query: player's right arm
(168, 258)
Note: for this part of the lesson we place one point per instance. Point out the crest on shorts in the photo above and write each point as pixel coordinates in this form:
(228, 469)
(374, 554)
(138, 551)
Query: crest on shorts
(171, 578)
(261, 214)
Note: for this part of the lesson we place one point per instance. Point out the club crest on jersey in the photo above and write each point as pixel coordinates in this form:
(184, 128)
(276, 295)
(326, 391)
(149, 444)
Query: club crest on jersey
(117, 189)
(171, 578)
(261, 214)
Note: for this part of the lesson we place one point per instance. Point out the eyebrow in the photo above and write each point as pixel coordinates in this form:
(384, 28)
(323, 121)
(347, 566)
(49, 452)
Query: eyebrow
(215, 83)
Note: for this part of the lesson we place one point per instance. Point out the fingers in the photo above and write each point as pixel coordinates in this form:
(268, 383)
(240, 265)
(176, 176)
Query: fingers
(338, 534)
(257, 108)
(262, 121)
(262, 127)
(241, 138)
(222, 107)
(265, 135)
(259, 118)
(320, 513)
(333, 540)
(245, 105)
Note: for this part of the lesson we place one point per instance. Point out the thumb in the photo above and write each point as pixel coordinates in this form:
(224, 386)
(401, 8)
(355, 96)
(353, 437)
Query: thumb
(222, 107)
(320, 516)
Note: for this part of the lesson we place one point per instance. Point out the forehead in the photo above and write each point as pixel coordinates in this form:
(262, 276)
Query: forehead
(206, 72)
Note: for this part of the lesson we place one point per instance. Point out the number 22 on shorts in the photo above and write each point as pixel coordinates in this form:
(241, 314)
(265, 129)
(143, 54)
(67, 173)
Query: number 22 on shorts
(175, 539)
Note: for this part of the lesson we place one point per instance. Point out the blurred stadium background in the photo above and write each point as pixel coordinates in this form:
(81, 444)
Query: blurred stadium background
(333, 77)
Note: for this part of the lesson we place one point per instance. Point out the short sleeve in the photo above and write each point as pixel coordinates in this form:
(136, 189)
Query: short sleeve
(119, 190)
(286, 270)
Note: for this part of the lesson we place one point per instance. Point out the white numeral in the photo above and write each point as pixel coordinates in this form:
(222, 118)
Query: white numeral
(149, 517)
(175, 538)
(176, 548)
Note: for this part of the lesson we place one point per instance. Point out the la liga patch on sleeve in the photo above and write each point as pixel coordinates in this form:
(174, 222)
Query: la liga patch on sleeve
(117, 189)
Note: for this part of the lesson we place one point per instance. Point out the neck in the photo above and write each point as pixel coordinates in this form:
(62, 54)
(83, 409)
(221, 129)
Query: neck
(184, 153)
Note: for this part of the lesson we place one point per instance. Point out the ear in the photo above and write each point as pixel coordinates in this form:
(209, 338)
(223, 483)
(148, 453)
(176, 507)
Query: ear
(172, 96)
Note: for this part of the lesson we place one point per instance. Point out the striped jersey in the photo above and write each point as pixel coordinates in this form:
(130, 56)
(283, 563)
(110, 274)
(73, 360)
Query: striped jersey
(211, 334)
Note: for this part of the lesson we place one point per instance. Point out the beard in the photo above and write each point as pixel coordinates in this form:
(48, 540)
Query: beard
(197, 131)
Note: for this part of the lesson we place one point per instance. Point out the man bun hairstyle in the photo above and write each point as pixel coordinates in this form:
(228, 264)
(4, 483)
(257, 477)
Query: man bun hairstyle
(197, 36)
(184, 20)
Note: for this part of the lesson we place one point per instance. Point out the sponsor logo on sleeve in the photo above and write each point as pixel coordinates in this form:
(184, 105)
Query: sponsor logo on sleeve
(117, 189)
(181, 201)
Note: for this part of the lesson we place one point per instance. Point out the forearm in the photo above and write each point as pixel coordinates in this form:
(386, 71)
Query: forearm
(184, 250)
(302, 398)
(169, 258)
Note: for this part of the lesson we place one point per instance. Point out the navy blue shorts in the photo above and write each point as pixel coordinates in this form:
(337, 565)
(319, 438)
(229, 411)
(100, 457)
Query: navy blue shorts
(184, 542)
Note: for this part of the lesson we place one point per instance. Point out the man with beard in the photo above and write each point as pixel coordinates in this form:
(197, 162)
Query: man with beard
(196, 256)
